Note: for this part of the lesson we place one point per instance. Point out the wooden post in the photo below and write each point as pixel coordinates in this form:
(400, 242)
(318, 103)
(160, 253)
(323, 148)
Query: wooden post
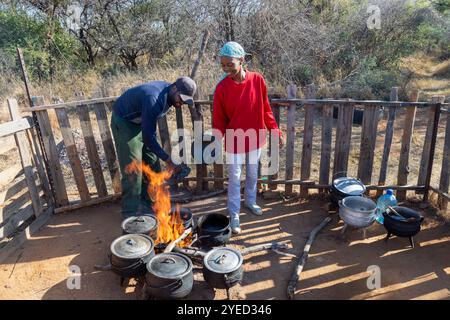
(276, 114)
(55, 174)
(25, 156)
(91, 148)
(445, 171)
(218, 167)
(327, 133)
(408, 129)
(388, 140)
(72, 154)
(181, 140)
(307, 140)
(343, 139)
(290, 139)
(108, 145)
(368, 139)
(426, 153)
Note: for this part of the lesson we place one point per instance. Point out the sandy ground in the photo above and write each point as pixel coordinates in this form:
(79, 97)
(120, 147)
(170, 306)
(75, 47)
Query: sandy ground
(336, 269)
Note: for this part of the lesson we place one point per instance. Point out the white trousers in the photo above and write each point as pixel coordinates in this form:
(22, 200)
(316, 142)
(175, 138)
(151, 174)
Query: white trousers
(234, 164)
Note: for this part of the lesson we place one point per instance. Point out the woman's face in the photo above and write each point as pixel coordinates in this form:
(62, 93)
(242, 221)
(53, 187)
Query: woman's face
(231, 66)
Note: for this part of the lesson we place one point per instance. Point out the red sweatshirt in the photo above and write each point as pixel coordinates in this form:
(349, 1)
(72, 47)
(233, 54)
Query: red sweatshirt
(243, 106)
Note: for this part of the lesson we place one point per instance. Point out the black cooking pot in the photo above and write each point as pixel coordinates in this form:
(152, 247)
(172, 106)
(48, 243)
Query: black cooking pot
(169, 276)
(146, 224)
(214, 229)
(186, 215)
(222, 267)
(344, 187)
(408, 226)
(130, 253)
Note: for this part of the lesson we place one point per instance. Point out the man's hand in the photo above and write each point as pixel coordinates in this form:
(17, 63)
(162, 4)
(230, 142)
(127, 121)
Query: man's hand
(173, 168)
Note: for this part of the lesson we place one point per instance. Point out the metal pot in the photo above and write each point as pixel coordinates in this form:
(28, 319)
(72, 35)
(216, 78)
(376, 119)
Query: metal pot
(214, 229)
(344, 187)
(169, 276)
(407, 227)
(186, 215)
(146, 224)
(357, 211)
(130, 253)
(222, 267)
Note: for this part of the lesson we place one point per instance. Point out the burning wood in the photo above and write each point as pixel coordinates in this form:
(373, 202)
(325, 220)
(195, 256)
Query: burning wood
(185, 234)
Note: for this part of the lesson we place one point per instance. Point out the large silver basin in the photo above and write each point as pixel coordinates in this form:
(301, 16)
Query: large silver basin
(357, 211)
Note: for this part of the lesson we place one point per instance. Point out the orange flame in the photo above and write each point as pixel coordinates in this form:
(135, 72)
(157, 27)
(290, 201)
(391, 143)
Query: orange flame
(170, 226)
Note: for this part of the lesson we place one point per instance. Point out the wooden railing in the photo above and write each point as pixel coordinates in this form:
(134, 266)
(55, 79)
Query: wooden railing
(330, 160)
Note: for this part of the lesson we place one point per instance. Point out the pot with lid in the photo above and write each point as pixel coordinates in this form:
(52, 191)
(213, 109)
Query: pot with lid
(357, 211)
(344, 187)
(222, 267)
(146, 224)
(130, 253)
(169, 276)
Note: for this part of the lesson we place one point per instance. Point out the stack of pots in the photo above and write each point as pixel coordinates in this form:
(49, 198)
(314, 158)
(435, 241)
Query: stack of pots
(344, 187)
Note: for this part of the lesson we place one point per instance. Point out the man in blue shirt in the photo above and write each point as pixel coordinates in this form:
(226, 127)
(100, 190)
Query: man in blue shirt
(133, 123)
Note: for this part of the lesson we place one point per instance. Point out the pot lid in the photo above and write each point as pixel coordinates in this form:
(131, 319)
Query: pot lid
(132, 246)
(169, 265)
(139, 224)
(349, 186)
(223, 260)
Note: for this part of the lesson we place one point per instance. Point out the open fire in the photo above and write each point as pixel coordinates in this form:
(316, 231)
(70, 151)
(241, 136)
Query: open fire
(170, 226)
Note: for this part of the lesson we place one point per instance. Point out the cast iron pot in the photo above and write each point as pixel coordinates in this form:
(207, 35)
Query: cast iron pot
(344, 187)
(130, 253)
(147, 225)
(407, 227)
(222, 267)
(169, 276)
(214, 229)
(186, 216)
(357, 211)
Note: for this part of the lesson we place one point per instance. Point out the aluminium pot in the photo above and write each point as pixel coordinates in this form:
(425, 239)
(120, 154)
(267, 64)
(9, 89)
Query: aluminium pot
(222, 267)
(169, 276)
(146, 224)
(344, 187)
(357, 211)
(407, 227)
(130, 254)
(213, 229)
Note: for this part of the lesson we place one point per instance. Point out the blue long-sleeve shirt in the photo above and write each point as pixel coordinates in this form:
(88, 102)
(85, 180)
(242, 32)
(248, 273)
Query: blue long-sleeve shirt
(144, 105)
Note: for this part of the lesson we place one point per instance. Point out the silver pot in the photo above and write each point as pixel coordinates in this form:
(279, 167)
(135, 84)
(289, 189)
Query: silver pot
(357, 211)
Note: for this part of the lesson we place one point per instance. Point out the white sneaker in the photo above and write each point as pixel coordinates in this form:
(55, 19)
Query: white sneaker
(254, 208)
(235, 226)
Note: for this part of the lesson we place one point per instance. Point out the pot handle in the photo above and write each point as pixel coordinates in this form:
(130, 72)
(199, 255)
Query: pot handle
(174, 285)
(169, 260)
(131, 266)
(232, 278)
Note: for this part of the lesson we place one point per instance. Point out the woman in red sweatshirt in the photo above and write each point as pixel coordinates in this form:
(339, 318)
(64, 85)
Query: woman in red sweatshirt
(242, 113)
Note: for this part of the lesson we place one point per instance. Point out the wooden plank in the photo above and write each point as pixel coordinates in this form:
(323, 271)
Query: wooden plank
(408, 129)
(368, 140)
(343, 139)
(217, 167)
(388, 140)
(183, 145)
(14, 126)
(91, 202)
(33, 141)
(10, 174)
(445, 168)
(7, 144)
(327, 134)
(426, 152)
(308, 132)
(91, 148)
(13, 245)
(72, 154)
(25, 156)
(276, 114)
(54, 167)
(108, 146)
(290, 138)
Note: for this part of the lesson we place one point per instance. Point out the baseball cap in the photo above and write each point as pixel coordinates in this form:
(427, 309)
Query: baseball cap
(186, 87)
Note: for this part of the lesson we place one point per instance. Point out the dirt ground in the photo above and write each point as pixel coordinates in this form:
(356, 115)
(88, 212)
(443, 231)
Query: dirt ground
(336, 268)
